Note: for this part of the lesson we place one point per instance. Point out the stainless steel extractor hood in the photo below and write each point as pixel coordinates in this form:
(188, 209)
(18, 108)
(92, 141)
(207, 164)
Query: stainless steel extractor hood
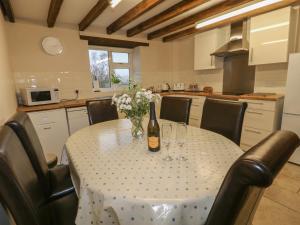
(238, 43)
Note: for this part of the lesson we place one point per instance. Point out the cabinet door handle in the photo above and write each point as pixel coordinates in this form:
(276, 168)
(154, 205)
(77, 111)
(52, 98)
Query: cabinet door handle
(47, 128)
(257, 113)
(253, 131)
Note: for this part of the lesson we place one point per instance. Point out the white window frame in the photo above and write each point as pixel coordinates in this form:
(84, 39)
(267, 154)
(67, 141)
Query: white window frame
(113, 65)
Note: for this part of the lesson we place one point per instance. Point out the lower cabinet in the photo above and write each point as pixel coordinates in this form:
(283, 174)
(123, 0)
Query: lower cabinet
(52, 129)
(77, 118)
(261, 119)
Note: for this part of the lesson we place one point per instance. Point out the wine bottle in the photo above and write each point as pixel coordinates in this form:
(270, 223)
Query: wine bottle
(153, 131)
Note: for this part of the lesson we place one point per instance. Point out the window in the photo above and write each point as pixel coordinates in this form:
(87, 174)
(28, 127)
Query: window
(104, 63)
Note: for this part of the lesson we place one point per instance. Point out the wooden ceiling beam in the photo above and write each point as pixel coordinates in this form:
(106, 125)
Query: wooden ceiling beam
(235, 19)
(219, 8)
(96, 11)
(7, 10)
(109, 42)
(173, 11)
(138, 10)
(53, 12)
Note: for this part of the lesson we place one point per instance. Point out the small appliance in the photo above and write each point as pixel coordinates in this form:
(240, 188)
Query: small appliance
(165, 87)
(178, 87)
(39, 96)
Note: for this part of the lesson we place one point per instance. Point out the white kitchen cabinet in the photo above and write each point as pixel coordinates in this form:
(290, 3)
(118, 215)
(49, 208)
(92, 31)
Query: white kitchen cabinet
(261, 119)
(205, 44)
(52, 129)
(272, 36)
(77, 118)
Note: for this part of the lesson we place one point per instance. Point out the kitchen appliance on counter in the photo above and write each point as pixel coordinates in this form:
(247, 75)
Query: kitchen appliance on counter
(165, 87)
(178, 87)
(238, 77)
(39, 96)
(291, 109)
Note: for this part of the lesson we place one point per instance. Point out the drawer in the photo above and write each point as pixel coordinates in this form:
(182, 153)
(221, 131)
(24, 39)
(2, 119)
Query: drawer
(47, 117)
(261, 105)
(198, 100)
(195, 122)
(196, 111)
(259, 119)
(251, 136)
(77, 113)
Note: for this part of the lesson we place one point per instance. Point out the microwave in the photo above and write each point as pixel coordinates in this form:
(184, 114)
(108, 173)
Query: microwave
(39, 96)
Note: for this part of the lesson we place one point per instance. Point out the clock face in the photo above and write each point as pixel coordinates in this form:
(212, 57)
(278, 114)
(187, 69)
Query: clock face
(52, 46)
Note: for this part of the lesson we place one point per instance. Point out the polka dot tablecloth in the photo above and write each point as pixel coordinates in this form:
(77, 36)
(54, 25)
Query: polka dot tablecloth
(119, 181)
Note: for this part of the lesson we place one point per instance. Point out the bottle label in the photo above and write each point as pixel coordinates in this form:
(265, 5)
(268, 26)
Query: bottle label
(153, 142)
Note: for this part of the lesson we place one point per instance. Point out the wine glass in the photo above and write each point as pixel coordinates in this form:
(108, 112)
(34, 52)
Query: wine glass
(181, 133)
(166, 138)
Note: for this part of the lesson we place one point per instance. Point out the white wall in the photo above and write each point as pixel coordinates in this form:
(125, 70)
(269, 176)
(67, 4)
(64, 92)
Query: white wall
(161, 62)
(70, 71)
(7, 92)
(183, 67)
(7, 89)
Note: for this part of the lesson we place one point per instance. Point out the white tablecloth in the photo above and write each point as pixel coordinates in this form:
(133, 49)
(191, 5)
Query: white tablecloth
(120, 182)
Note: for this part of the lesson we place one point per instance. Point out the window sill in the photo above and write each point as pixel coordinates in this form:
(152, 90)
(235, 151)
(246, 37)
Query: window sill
(110, 89)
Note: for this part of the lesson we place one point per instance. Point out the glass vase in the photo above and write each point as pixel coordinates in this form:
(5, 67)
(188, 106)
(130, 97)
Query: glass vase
(137, 130)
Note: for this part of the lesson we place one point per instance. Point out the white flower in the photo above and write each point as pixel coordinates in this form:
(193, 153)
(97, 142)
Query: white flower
(129, 107)
(128, 100)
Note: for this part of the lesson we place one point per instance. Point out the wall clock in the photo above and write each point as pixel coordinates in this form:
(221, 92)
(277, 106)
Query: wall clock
(52, 46)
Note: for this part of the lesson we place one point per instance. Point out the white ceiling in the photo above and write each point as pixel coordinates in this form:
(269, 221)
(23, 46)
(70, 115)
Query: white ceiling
(73, 11)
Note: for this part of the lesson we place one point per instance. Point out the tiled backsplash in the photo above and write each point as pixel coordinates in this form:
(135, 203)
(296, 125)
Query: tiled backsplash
(66, 82)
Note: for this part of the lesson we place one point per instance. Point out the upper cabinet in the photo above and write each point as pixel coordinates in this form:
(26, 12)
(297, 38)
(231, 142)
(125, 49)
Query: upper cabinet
(272, 36)
(205, 44)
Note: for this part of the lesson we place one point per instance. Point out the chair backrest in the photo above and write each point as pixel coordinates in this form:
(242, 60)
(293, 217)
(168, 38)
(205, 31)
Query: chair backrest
(20, 191)
(248, 177)
(101, 111)
(224, 117)
(176, 109)
(21, 124)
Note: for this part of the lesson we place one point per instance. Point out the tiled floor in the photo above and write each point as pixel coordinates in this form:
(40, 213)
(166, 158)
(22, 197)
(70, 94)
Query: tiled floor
(281, 202)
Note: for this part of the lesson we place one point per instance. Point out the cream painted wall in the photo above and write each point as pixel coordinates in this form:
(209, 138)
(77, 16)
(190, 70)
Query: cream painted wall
(183, 67)
(32, 67)
(70, 71)
(7, 88)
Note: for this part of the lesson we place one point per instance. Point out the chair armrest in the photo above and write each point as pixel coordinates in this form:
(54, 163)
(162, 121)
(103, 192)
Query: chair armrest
(60, 181)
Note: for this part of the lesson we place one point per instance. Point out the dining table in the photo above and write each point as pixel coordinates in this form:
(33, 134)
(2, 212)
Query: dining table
(119, 181)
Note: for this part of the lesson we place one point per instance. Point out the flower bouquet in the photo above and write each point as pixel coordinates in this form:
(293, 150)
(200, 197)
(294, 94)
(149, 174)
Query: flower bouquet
(134, 103)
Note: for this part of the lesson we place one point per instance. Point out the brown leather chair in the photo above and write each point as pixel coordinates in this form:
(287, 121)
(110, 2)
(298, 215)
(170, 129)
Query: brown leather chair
(55, 179)
(101, 111)
(21, 192)
(24, 128)
(176, 109)
(224, 117)
(248, 177)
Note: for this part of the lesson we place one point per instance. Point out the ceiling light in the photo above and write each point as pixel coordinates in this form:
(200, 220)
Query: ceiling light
(237, 12)
(114, 3)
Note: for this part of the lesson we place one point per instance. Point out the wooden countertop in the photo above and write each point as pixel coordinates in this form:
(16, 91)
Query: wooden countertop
(61, 105)
(82, 102)
(274, 97)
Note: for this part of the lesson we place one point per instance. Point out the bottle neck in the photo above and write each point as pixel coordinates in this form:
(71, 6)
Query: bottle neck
(152, 111)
